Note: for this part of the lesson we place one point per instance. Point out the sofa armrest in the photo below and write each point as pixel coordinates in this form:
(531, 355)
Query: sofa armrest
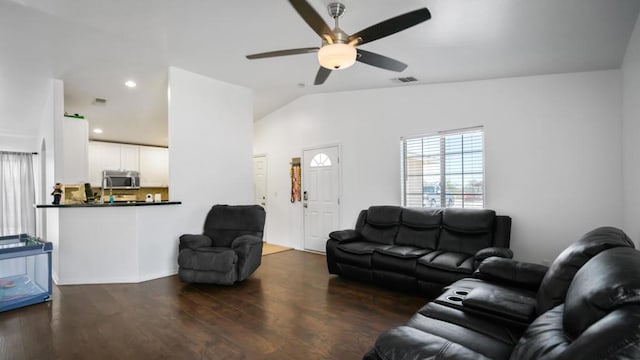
(344, 235)
(518, 273)
(489, 252)
(502, 303)
(493, 251)
(190, 241)
(245, 240)
(248, 248)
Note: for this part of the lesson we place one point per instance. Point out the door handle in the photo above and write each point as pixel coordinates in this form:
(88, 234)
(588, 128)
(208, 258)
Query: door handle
(263, 203)
(304, 205)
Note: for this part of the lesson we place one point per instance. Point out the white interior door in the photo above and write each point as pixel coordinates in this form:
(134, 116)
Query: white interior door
(260, 180)
(320, 195)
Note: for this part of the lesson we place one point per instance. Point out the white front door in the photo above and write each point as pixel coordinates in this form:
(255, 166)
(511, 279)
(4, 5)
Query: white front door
(260, 185)
(320, 195)
(260, 180)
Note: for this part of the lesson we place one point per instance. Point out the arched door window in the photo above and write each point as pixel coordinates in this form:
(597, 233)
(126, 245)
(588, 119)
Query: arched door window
(320, 160)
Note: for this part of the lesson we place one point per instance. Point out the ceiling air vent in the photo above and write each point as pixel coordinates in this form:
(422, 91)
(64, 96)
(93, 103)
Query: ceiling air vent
(407, 79)
(100, 102)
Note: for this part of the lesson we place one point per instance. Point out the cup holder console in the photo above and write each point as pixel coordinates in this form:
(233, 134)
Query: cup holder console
(453, 298)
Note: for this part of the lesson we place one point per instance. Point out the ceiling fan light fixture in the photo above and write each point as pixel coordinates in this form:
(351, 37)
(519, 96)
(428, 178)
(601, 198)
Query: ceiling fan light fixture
(337, 56)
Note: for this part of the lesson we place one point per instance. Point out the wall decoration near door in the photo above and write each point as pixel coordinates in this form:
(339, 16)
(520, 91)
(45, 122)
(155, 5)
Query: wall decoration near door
(295, 173)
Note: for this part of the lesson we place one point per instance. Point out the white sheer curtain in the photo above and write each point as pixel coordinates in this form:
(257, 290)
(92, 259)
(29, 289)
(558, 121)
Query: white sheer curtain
(17, 194)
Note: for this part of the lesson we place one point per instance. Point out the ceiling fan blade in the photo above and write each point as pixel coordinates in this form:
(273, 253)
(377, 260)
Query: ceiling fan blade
(312, 18)
(380, 61)
(391, 26)
(283, 53)
(322, 75)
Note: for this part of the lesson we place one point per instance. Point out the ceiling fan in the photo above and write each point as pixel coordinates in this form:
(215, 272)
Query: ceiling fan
(339, 49)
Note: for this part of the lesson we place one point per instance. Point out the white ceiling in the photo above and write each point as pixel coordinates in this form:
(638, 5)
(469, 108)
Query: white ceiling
(95, 45)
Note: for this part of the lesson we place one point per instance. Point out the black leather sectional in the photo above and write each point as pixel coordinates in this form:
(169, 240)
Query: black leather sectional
(417, 248)
(586, 305)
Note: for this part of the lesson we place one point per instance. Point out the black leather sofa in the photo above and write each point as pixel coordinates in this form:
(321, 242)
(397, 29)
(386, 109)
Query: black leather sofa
(586, 305)
(417, 248)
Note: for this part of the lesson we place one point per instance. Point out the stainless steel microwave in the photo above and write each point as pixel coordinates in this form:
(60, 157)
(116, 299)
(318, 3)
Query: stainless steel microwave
(120, 179)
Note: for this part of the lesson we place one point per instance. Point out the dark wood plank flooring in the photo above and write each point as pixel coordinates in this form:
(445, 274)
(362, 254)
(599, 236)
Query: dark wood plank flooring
(291, 308)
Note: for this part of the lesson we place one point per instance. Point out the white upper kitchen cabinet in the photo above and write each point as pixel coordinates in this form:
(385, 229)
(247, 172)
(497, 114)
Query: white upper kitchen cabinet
(154, 166)
(102, 156)
(95, 163)
(152, 162)
(110, 156)
(129, 157)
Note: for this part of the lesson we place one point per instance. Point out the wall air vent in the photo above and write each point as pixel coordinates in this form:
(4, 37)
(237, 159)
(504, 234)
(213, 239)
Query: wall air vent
(99, 101)
(404, 79)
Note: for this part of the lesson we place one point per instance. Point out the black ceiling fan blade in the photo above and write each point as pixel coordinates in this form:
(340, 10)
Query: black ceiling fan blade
(283, 53)
(312, 18)
(321, 76)
(380, 61)
(391, 26)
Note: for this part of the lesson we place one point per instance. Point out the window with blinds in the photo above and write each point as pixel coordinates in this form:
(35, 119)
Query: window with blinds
(444, 169)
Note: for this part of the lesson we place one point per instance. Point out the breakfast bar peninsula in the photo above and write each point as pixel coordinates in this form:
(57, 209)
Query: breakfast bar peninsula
(125, 242)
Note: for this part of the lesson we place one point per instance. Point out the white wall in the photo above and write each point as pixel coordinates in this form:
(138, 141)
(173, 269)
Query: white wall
(25, 75)
(631, 135)
(210, 146)
(553, 154)
(17, 142)
(45, 164)
(31, 141)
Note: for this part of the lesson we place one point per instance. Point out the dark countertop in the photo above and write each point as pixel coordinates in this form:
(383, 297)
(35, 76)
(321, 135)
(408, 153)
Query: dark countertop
(115, 204)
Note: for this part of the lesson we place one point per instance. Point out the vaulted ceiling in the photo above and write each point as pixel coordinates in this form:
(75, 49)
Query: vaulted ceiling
(94, 46)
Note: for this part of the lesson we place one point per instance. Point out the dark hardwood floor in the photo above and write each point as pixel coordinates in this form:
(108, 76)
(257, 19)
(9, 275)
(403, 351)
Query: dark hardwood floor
(291, 308)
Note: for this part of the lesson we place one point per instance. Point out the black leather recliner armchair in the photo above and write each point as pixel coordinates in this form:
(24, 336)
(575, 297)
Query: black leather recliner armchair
(229, 250)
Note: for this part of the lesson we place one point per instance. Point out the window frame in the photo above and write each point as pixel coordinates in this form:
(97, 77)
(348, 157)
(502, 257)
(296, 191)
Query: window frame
(445, 197)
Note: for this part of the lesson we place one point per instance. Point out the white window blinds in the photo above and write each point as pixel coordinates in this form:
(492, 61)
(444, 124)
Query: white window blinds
(444, 169)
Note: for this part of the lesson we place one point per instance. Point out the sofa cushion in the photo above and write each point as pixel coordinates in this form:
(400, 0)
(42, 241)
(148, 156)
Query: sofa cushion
(421, 218)
(496, 329)
(448, 260)
(384, 216)
(404, 342)
(470, 221)
(544, 337)
(361, 247)
(403, 252)
(466, 230)
(485, 342)
(556, 282)
(608, 281)
(419, 227)
(225, 223)
(399, 259)
(382, 224)
(613, 337)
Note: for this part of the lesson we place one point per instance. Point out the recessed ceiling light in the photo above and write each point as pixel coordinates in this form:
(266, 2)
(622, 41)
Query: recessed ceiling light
(97, 131)
(130, 84)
